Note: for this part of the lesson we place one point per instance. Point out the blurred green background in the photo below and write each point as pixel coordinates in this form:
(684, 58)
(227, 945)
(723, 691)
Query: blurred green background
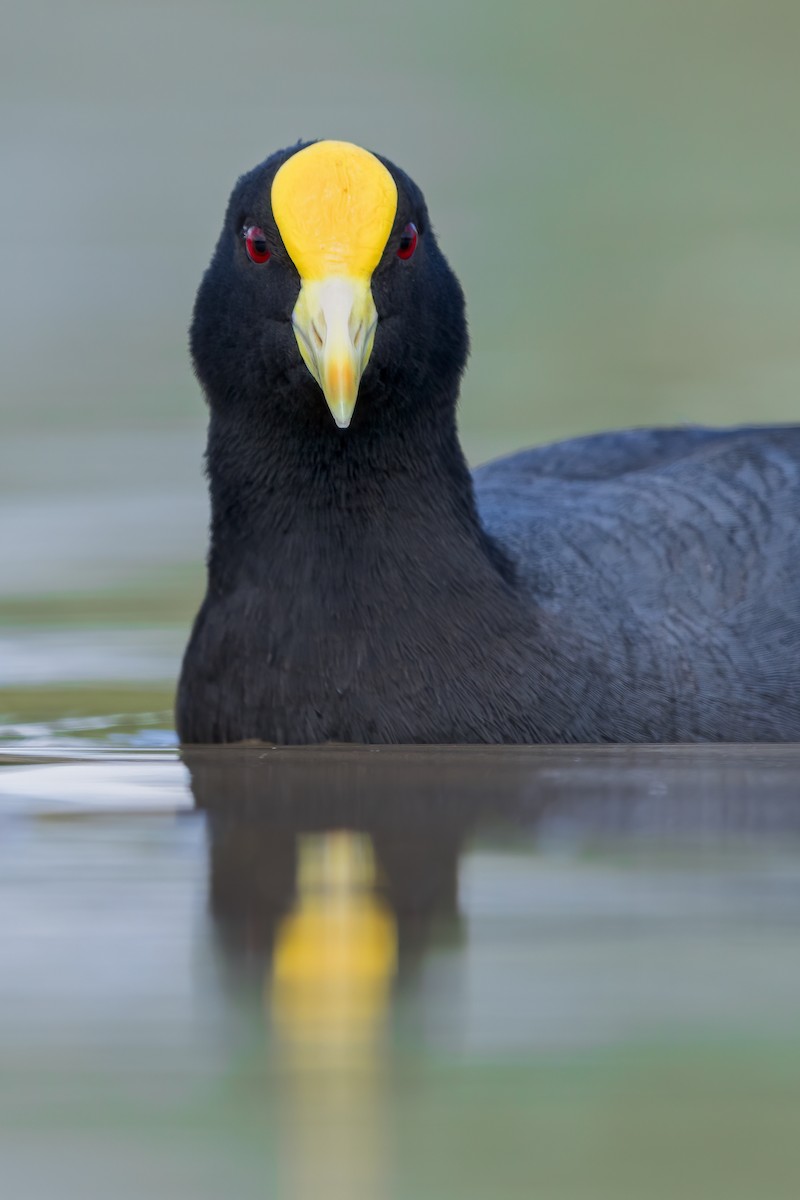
(616, 183)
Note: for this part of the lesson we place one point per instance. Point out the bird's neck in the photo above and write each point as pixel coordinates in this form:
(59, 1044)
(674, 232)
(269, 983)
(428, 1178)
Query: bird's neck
(309, 510)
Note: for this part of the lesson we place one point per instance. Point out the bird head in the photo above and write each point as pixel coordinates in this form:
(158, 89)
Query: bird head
(327, 299)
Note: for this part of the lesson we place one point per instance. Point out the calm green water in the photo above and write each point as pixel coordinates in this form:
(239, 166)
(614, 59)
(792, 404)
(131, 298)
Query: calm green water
(386, 973)
(366, 974)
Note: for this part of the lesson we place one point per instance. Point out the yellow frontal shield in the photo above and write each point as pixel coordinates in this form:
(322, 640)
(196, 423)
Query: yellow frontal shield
(334, 205)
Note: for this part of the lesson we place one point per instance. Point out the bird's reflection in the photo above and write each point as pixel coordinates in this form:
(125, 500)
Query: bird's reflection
(334, 872)
(335, 953)
(331, 874)
(305, 854)
(410, 814)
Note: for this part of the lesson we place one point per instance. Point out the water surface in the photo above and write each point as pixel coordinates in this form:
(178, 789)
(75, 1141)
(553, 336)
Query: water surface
(391, 972)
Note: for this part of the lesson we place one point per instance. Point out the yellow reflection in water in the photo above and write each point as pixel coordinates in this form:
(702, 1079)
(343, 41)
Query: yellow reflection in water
(333, 965)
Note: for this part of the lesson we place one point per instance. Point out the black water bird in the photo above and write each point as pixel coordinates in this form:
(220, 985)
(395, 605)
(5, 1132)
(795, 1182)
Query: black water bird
(365, 586)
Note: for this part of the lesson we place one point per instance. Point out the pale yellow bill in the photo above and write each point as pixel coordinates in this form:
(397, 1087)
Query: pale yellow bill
(334, 205)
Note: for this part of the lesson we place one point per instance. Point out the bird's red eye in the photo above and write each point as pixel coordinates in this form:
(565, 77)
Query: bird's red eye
(408, 241)
(256, 244)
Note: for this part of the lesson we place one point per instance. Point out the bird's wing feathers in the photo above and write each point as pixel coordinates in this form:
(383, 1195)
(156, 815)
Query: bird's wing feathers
(706, 526)
(606, 455)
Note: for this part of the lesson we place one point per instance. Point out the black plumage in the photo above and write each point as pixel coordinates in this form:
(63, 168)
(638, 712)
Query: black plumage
(365, 586)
